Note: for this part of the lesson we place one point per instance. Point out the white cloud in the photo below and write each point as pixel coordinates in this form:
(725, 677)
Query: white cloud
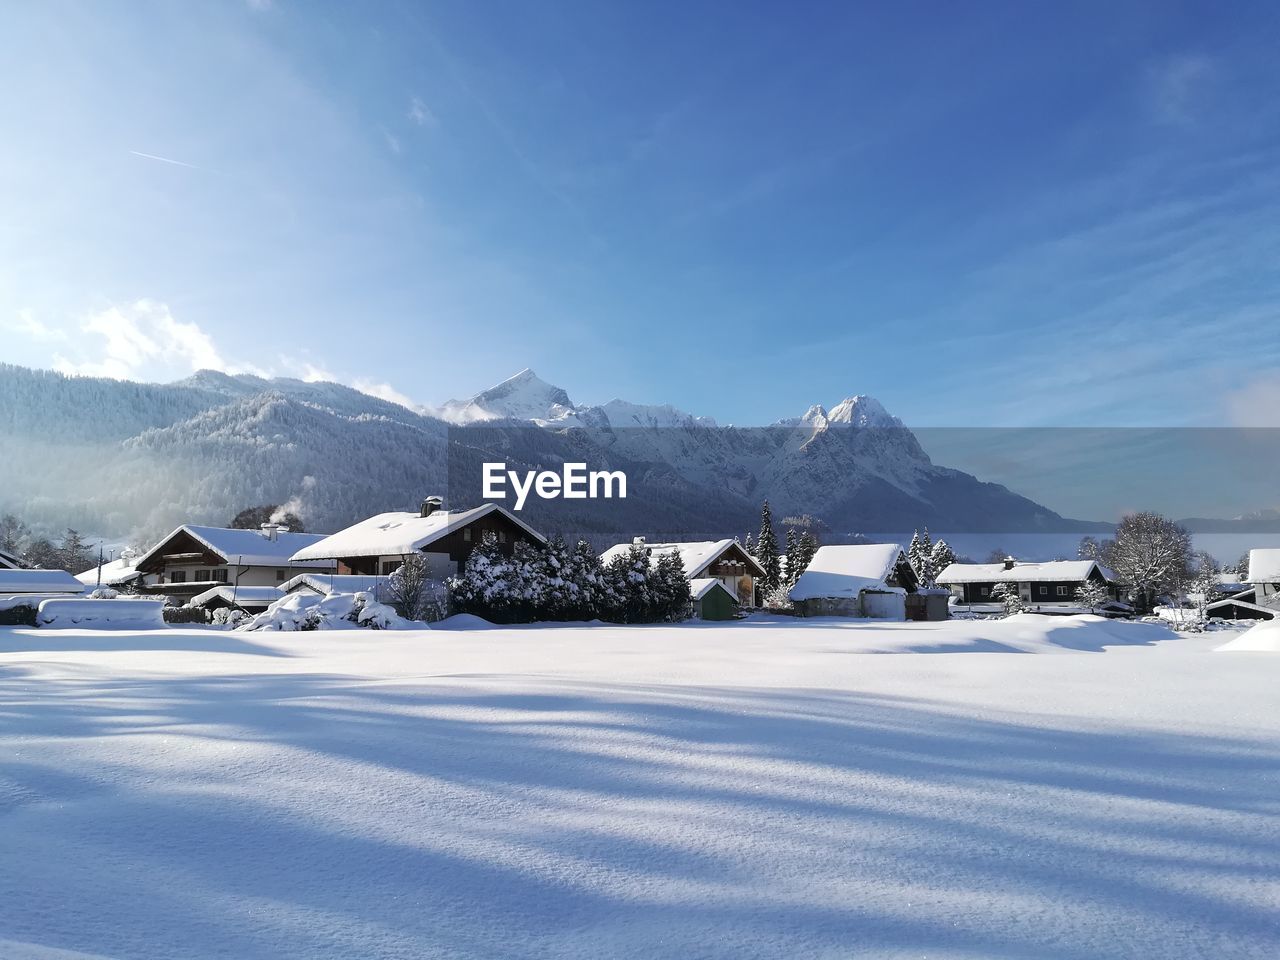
(384, 391)
(1257, 403)
(125, 342)
(420, 113)
(25, 324)
(144, 341)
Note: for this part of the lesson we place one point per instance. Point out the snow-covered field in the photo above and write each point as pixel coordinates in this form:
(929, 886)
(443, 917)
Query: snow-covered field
(1034, 788)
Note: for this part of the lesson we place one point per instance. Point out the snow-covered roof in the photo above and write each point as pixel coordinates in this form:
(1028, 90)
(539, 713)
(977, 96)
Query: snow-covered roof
(9, 561)
(250, 548)
(847, 570)
(1270, 612)
(1063, 570)
(700, 587)
(696, 555)
(117, 571)
(38, 581)
(242, 596)
(327, 583)
(400, 534)
(1264, 565)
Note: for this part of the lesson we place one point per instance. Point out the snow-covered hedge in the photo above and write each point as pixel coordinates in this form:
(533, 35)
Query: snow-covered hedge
(558, 583)
(119, 614)
(337, 611)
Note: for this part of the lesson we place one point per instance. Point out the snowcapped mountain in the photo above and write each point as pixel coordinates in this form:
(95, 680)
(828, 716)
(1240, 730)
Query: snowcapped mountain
(119, 458)
(523, 397)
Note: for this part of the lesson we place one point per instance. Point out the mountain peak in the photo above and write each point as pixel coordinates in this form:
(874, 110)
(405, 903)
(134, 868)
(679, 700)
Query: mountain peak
(524, 396)
(862, 411)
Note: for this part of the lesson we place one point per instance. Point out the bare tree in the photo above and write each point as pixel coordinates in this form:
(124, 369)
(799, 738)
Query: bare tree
(1151, 555)
(412, 592)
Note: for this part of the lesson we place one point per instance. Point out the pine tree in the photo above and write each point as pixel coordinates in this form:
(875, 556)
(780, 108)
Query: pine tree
(767, 551)
(913, 551)
(943, 556)
(749, 544)
(808, 546)
(793, 557)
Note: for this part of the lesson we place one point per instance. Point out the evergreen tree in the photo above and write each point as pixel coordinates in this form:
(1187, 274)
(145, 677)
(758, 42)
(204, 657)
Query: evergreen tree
(595, 596)
(793, 557)
(749, 544)
(807, 546)
(1008, 595)
(74, 555)
(484, 586)
(671, 596)
(943, 556)
(767, 551)
(913, 551)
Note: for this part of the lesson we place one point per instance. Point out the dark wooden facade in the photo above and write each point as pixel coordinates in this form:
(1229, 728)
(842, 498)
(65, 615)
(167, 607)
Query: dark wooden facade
(1042, 591)
(457, 545)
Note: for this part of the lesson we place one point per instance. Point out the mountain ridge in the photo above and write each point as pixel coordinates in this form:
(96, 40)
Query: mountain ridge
(201, 449)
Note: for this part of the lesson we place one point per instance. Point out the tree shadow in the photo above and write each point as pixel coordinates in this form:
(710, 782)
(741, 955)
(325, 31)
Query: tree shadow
(482, 816)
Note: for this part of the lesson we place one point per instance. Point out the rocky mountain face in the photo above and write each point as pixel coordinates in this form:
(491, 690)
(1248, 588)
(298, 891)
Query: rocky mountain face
(125, 459)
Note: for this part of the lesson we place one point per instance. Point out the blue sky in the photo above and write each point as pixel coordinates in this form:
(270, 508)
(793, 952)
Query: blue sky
(995, 214)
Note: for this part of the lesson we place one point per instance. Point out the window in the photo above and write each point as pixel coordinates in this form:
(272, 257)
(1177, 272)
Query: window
(389, 567)
(1044, 591)
(177, 576)
(1062, 591)
(280, 576)
(986, 591)
(466, 534)
(502, 536)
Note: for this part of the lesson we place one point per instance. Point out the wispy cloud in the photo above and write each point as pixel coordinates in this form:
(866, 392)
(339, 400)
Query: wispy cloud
(25, 324)
(420, 114)
(1178, 87)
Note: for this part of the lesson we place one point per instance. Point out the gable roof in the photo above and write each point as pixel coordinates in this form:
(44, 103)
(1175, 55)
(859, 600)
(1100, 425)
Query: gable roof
(847, 570)
(695, 555)
(700, 587)
(242, 596)
(1069, 570)
(38, 581)
(241, 547)
(1264, 565)
(10, 561)
(117, 571)
(327, 583)
(399, 534)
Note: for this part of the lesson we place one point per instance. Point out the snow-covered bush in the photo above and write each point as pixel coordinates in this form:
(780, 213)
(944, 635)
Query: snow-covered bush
(556, 583)
(337, 611)
(778, 598)
(103, 593)
(229, 617)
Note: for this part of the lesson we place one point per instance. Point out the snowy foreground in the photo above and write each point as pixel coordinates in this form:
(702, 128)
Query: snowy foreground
(1035, 788)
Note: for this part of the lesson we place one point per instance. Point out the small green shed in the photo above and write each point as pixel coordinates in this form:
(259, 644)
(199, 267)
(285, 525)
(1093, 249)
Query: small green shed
(712, 600)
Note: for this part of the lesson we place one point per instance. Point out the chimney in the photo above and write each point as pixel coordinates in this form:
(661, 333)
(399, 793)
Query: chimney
(430, 505)
(269, 530)
(1009, 563)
